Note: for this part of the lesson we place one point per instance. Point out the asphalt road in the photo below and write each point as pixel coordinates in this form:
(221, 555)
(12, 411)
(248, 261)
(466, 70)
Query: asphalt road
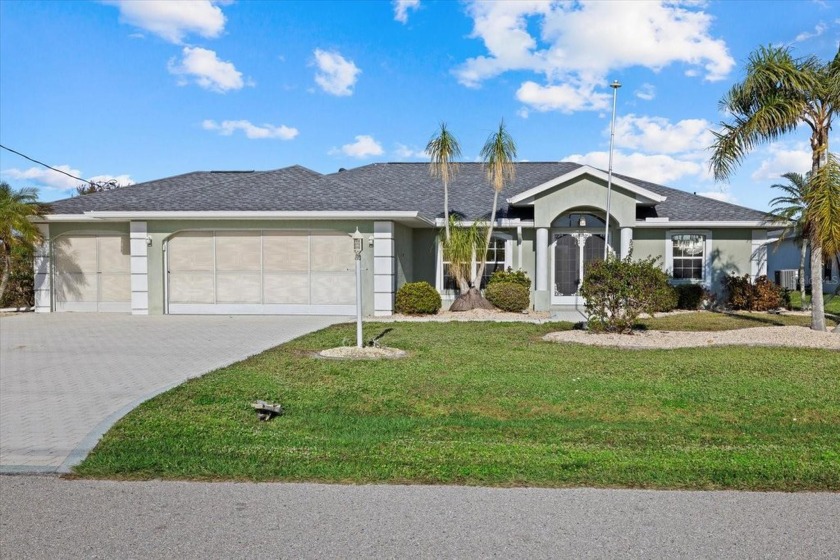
(48, 517)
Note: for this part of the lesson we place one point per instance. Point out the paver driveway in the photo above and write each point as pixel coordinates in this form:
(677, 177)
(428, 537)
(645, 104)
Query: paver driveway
(65, 378)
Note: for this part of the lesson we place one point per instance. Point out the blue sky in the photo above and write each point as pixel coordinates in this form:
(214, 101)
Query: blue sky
(142, 90)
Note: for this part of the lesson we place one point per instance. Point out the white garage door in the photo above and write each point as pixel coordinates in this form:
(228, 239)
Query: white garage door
(261, 272)
(92, 273)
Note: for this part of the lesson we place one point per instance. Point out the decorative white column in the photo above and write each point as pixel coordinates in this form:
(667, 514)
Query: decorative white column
(139, 268)
(43, 279)
(758, 253)
(626, 241)
(542, 259)
(384, 269)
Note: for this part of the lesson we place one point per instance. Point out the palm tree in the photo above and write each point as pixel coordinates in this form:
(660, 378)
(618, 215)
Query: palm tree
(791, 208)
(16, 208)
(499, 155)
(460, 250)
(778, 94)
(443, 149)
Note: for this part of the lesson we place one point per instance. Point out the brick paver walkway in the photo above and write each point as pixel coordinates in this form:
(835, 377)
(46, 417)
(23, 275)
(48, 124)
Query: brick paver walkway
(65, 378)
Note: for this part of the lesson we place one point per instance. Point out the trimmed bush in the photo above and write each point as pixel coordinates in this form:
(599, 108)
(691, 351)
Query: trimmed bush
(761, 295)
(510, 276)
(509, 296)
(690, 296)
(417, 298)
(617, 291)
(20, 291)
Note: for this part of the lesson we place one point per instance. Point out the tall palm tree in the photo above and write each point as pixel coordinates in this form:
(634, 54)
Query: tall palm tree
(779, 93)
(823, 205)
(16, 207)
(791, 208)
(499, 155)
(443, 150)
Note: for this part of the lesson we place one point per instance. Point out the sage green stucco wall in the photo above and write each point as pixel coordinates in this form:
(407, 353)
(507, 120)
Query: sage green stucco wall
(404, 254)
(61, 228)
(731, 249)
(584, 193)
(424, 255)
(649, 243)
(160, 230)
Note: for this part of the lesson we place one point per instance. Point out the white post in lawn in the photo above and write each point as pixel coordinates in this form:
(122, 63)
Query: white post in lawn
(358, 246)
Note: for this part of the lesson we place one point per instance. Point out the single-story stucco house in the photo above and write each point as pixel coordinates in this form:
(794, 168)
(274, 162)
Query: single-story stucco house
(278, 242)
(783, 257)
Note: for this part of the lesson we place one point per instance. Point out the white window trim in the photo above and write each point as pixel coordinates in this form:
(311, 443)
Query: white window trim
(707, 255)
(508, 238)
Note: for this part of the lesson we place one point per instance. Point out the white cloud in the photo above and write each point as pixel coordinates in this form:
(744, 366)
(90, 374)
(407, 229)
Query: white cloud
(657, 168)
(646, 92)
(404, 152)
(401, 8)
(59, 181)
(205, 68)
(579, 43)
(819, 29)
(173, 20)
(252, 131)
(783, 159)
(563, 97)
(364, 146)
(336, 75)
(656, 134)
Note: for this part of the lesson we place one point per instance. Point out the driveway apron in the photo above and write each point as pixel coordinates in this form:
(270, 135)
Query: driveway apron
(66, 378)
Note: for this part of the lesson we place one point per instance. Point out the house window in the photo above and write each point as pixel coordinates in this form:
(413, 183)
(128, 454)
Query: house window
(495, 260)
(827, 266)
(689, 256)
(498, 257)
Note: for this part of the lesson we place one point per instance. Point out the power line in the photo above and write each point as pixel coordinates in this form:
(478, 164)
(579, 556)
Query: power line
(47, 166)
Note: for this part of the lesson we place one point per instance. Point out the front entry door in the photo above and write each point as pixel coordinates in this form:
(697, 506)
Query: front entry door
(572, 254)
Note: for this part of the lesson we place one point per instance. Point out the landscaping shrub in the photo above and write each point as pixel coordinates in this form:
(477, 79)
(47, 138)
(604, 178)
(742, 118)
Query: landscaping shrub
(617, 291)
(417, 298)
(20, 291)
(690, 296)
(510, 276)
(742, 294)
(509, 296)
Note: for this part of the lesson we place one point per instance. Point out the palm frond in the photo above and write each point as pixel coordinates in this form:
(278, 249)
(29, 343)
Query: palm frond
(823, 212)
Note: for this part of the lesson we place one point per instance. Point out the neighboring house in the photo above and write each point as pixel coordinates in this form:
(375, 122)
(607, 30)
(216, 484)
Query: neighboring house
(278, 241)
(783, 262)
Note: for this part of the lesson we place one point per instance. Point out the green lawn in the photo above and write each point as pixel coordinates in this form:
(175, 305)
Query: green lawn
(491, 404)
(832, 302)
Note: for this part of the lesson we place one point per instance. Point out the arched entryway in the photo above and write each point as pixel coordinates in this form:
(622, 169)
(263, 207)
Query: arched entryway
(577, 240)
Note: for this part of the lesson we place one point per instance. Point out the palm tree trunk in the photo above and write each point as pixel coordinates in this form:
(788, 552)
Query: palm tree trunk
(7, 269)
(483, 264)
(803, 255)
(817, 309)
(446, 209)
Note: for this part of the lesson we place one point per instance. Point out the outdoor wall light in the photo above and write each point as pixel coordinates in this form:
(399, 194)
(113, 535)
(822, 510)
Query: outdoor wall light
(582, 222)
(148, 241)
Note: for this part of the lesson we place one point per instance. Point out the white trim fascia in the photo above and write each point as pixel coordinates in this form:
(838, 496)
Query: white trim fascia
(500, 222)
(125, 216)
(527, 196)
(718, 224)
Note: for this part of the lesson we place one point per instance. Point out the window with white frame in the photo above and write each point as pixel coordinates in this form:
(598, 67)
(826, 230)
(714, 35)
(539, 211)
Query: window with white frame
(688, 256)
(498, 257)
(495, 260)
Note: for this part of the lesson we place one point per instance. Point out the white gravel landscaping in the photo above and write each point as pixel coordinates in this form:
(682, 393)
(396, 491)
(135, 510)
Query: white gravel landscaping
(800, 337)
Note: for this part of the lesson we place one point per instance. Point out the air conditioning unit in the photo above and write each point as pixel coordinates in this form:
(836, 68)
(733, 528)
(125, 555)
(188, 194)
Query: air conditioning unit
(787, 278)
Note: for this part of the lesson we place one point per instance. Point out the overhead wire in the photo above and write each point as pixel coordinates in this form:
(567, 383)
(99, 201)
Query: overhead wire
(86, 181)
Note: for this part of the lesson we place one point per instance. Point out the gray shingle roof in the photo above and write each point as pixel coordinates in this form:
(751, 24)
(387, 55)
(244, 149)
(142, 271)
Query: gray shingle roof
(374, 187)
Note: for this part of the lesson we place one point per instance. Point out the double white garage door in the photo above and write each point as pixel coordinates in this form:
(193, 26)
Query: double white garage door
(260, 272)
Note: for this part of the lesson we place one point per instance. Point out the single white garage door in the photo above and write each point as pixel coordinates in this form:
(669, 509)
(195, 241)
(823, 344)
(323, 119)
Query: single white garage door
(92, 273)
(261, 272)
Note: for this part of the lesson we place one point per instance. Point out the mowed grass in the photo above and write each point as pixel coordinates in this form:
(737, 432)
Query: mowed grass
(831, 302)
(492, 404)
